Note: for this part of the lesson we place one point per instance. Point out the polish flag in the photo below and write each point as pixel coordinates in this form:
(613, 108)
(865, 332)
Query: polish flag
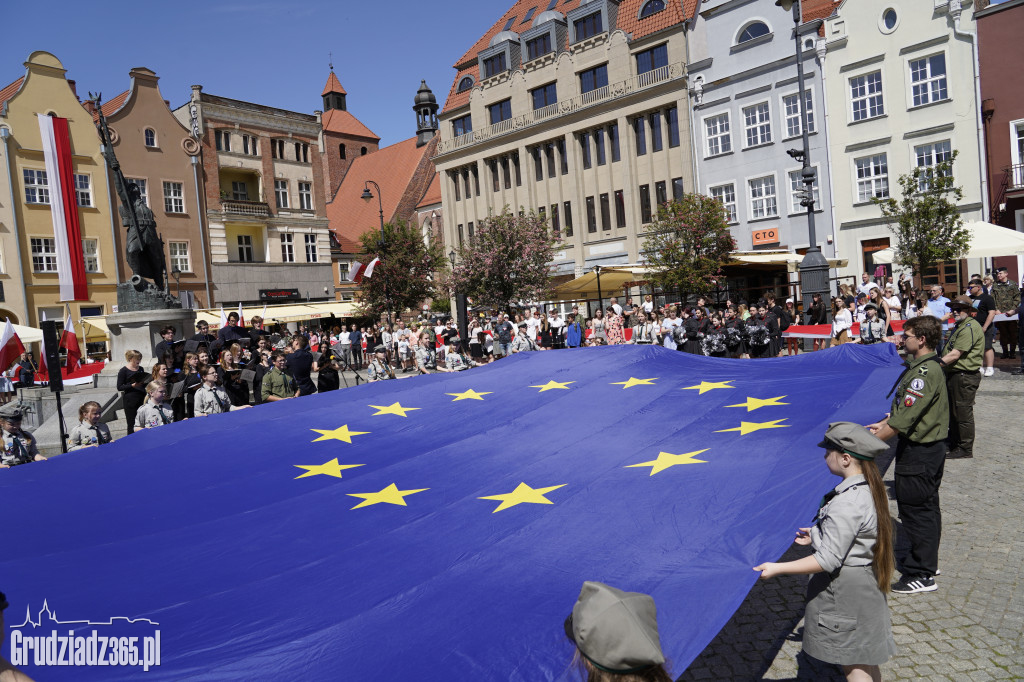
(223, 318)
(241, 317)
(67, 229)
(263, 316)
(355, 273)
(369, 268)
(69, 342)
(11, 347)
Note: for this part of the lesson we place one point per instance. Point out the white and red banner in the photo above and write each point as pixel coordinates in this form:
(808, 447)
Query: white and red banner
(69, 342)
(355, 273)
(241, 317)
(67, 229)
(369, 268)
(223, 318)
(11, 347)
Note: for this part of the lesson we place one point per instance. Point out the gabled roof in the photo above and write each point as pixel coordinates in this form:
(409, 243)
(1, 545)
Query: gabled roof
(817, 9)
(8, 92)
(338, 121)
(333, 85)
(393, 168)
(433, 193)
(110, 106)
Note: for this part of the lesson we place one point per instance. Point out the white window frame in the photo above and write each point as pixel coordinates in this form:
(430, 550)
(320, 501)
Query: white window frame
(83, 194)
(312, 250)
(873, 179)
(735, 219)
(281, 192)
(794, 204)
(747, 24)
(179, 259)
(143, 188)
(344, 267)
(723, 138)
(812, 126)
(47, 254)
(145, 141)
(866, 97)
(915, 160)
(38, 185)
(305, 196)
(759, 125)
(174, 197)
(908, 61)
(91, 252)
(751, 198)
(287, 247)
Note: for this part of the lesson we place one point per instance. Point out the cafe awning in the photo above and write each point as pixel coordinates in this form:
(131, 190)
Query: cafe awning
(987, 241)
(612, 278)
(291, 312)
(28, 334)
(790, 260)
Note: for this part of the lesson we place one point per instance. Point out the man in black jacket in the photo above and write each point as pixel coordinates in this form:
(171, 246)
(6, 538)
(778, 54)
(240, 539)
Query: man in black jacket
(300, 364)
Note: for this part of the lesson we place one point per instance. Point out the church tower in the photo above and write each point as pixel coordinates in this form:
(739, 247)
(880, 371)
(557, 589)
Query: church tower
(334, 94)
(426, 114)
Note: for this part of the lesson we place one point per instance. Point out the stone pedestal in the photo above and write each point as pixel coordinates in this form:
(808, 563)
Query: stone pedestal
(140, 330)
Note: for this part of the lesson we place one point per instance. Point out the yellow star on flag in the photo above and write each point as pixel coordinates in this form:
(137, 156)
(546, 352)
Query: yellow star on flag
(754, 403)
(521, 495)
(705, 386)
(331, 468)
(393, 408)
(551, 385)
(633, 381)
(666, 460)
(390, 495)
(749, 427)
(340, 433)
(469, 395)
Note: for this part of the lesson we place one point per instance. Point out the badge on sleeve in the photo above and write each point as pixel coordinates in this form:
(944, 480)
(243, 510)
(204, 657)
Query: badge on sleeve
(917, 384)
(909, 401)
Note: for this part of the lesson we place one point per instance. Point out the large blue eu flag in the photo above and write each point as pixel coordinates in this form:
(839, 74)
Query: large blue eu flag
(436, 528)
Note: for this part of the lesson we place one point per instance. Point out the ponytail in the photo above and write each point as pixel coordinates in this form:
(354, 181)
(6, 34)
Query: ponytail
(883, 564)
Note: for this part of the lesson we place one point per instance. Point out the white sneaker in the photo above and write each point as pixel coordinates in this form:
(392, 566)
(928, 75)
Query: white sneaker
(989, 371)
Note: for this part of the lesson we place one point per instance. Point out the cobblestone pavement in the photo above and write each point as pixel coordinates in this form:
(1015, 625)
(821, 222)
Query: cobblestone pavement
(970, 628)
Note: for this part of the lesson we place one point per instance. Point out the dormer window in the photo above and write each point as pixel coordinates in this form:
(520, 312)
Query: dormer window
(587, 27)
(539, 46)
(753, 30)
(651, 7)
(149, 136)
(465, 83)
(495, 65)
(591, 19)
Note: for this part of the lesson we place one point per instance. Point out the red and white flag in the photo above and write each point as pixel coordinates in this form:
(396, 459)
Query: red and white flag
(11, 347)
(369, 268)
(263, 316)
(69, 342)
(355, 272)
(67, 229)
(241, 317)
(223, 318)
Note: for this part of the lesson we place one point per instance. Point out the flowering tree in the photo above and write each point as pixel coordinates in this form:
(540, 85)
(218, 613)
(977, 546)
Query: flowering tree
(405, 275)
(507, 260)
(689, 244)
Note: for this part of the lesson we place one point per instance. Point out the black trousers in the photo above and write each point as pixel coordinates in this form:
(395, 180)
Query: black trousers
(918, 474)
(962, 388)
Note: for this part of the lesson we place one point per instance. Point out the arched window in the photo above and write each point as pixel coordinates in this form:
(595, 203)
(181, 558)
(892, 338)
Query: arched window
(651, 7)
(341, 150)
(753, 30)
(362, 151)
(465, 84)
(150, 136)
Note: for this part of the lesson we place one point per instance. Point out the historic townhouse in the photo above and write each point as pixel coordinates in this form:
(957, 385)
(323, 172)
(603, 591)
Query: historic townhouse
(576, 110)
(900, 93)
(265, 199)
(12, 274)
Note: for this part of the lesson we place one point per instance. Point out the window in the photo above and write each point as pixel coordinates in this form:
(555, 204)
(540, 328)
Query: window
(462, 125)
(362, 151)
(555, 228)
(660, 192)
(249, 145)
(549, 155)
(791, 107)
(727, 195)
(613, 140)
(599, 143)
(223, 140)
(651, 7)
(640, 133)
(460, 236)
(239, 191)
(287, 248)
(508, 24)
(306, 196)
(587, 27)
(500, 111)
(455, 183)
(515, 167)
(495, 65)
(281, 193)
(538, 164)
(544, 96)
(563, 156)
(245, 251)
(179, 256)
(656, 134)
(763, 202)
(796, 190)
(927, 156)
(505, 172)
(142, 185)
(591, 215)
(44, 255)
(301, 151)
(529, 15)
(672, 117)
(465, 181)
(567, 207)
(277, 149)
(594, 78)
(83, 191)
(343, 269)
(928, 79)
(677, 189)
(585, 148)
(91, 254)
(465, 83)
(645, 204)
(149, 137)
(872, 177)
(866, 96)
(757, 125)
(312, 256)
(174, 197)
(620, 209)
(716, 135)
(37, 191)
(651, 59)
(606, 213)
(752, 31)
(539, 46)
(475, 172)
(890, 19)
(493, 163)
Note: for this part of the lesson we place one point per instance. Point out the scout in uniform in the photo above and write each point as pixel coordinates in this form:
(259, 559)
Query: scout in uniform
(522, 342)
(920, 418)
(19, 447)
(1007, 297)
(379, 369)
(872, 329)
(965, 351)
(90, 431)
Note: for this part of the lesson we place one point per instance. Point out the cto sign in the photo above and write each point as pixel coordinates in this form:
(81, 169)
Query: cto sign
(766, 236)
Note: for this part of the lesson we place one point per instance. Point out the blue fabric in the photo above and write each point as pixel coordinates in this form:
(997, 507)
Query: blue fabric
(253, 570)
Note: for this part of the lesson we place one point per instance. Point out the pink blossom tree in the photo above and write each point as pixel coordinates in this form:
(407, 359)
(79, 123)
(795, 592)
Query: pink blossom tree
(407, 272)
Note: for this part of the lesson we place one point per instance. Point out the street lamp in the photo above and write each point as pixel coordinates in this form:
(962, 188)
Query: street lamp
(367, 195)
(460, 303)
(813, 267)
(597, 270)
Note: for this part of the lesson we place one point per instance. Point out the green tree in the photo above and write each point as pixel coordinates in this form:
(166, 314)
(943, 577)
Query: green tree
(925, 221)
(689, 244)
(406, 273)
(508, 260)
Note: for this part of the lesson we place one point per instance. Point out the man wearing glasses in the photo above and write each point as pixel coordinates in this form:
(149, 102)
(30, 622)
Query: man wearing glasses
(986, 307)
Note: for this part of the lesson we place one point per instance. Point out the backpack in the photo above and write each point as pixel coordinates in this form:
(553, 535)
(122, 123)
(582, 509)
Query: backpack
(784, 320)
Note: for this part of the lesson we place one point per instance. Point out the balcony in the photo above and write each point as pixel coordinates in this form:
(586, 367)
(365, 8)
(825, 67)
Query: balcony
(610, 92)
(1015, 178)
(253, 209)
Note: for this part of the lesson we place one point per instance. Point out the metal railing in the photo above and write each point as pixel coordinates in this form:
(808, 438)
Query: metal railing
(565, 107)
(257, 209)
(1015, 176)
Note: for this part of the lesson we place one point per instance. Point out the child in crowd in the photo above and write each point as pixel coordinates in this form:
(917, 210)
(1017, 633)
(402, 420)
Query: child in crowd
(90, 431)
(156, 411)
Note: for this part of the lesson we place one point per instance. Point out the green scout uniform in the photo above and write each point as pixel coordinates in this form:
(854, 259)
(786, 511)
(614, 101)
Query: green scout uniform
(920, 413)
(276, 382)
(1007, 298)
(17, 449)
(962, 381)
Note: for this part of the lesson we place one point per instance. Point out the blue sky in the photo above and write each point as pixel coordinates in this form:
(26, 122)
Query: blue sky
(273, 53)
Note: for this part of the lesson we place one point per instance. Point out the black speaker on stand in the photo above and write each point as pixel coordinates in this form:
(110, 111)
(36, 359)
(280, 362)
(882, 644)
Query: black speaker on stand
(51, 350)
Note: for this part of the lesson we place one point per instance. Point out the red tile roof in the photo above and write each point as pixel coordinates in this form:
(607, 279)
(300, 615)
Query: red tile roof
(338, 121)
(333, 85)
(109, 107)
(8, 92)
(393, 168)
(818, 9)
(433, 193)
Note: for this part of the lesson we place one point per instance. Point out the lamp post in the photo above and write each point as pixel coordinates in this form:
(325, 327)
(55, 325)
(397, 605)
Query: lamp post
(367, 195)
(814, 266)
(461, 320)
(597, 270)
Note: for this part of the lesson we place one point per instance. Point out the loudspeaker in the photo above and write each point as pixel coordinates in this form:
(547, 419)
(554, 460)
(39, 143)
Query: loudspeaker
(51, 343)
